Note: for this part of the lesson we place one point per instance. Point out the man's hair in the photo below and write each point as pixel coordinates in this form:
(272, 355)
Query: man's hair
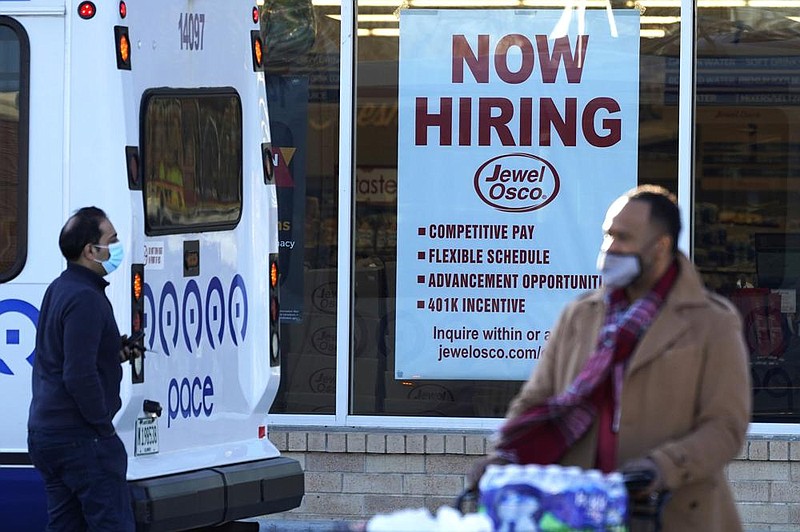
(664, 210)
(82, 228)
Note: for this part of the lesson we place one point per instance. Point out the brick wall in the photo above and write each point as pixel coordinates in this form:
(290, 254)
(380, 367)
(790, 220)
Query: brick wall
(355, 474)
(765, 479)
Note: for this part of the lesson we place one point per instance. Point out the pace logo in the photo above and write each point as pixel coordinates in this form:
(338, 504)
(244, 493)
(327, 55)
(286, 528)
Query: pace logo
(213, 313)
(190, 399)
(15, 337)
(517, 182)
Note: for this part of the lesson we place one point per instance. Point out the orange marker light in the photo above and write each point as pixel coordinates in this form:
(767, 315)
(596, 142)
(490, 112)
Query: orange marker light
(273, 275)
(137, 286)
(86, 10)
(258, 52)
(124, 48)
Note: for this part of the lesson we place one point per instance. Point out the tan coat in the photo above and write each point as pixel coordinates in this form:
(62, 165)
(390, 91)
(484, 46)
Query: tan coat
(686, 396)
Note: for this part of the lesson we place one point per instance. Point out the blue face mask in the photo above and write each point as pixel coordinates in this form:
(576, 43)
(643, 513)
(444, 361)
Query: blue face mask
(115, 254)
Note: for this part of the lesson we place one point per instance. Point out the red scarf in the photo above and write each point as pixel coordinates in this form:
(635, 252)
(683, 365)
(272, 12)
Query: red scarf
(543, 433)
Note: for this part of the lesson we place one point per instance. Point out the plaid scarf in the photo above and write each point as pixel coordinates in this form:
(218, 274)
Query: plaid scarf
(543, 433)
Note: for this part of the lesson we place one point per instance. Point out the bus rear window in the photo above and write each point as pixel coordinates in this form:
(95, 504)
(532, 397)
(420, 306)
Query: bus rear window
(14, 60)
(192, 160)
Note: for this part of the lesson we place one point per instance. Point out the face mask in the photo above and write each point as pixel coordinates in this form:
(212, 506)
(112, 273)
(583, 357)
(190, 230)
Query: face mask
(115, 254)
(619, 269)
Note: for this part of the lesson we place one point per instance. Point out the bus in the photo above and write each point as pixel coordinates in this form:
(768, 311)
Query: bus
(155, 112)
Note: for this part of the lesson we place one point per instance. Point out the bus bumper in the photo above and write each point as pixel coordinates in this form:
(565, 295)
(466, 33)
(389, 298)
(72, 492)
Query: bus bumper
(214, 496)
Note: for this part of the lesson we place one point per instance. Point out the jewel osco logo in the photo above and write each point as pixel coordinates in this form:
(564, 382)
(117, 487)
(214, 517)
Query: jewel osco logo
(517, 182)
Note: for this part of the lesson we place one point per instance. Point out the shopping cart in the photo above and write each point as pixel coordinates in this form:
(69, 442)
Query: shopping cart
(642, 514)
(648, 511)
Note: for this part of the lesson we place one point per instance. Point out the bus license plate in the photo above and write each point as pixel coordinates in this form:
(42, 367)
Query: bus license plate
(146, 436)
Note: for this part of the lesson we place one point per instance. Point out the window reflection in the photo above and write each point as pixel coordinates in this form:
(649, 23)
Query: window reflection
(302, 84)
(375, 230)
(746, 230)
(747, 233)
(11, 202)
(192, 160)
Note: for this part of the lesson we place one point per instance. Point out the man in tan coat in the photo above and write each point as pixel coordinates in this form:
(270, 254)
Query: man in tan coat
(682, 404)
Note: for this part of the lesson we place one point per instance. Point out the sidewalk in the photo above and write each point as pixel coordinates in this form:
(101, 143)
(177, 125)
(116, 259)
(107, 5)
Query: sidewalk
(288, 525)
(265, 524)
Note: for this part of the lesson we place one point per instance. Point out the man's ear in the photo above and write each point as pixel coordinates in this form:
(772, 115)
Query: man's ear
(88, 252)
(666, 242)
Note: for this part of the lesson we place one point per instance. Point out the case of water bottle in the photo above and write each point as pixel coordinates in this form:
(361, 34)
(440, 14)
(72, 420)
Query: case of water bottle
(553, 498)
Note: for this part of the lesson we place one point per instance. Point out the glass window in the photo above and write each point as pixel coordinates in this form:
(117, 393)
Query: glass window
(379, 329)
(192, 151)
(14, 61)
(302, 84)
(747, 213)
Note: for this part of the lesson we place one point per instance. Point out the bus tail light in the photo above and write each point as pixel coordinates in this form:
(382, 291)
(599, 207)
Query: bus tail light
(123, 45)
(258, 50)
(137, 320)
(86, 10)
(274, 312)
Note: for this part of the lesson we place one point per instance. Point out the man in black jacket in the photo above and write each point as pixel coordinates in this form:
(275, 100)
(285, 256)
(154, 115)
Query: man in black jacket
(76, 382)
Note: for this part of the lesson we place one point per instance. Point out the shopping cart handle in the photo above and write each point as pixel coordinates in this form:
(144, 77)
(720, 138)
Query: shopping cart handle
(651, 508)
(469, 494)
(637, 480)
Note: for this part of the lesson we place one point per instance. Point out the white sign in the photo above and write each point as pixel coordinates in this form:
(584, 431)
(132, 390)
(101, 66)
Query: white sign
(146, 436)
(515, 134)
(154, 255)
(788, 300)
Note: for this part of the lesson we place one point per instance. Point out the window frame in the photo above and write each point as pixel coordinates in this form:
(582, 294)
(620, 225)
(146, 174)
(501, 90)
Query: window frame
(23, 140)
(175, 229)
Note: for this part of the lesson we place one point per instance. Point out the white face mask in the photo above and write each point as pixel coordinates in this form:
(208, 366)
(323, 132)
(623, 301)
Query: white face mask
(619, 270)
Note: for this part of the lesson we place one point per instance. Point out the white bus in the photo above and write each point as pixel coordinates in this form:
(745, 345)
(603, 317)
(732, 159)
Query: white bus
(156, 113)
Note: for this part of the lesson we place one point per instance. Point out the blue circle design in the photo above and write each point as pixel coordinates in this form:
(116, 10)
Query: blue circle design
(215, 285)
(151, 323)
(237, 282)
(169, 290)
(27, 310)
(192, 289)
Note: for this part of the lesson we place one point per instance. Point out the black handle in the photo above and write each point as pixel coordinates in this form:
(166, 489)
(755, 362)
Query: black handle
(152, 407)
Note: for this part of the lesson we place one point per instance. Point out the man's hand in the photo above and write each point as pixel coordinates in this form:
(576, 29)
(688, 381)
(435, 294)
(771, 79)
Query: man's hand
(645, 467)
(130, 349)
(479, 467)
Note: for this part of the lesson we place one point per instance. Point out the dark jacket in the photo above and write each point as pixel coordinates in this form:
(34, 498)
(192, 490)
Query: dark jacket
(76, 371)
(685, 398)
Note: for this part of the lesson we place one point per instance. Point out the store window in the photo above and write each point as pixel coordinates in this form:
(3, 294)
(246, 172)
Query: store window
(747, 214)
(14, 63)
(447, 259)
(192, 147)
(302, 84)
